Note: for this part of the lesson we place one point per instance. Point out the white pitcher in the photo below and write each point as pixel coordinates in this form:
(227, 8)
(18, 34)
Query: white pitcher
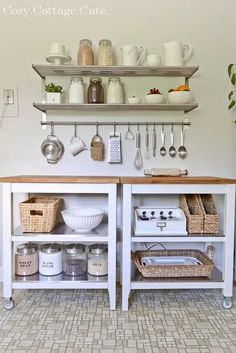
(174, 53)
(129, 55)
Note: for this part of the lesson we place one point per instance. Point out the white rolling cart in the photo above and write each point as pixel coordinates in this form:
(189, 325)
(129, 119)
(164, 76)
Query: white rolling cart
(57, 185)
(144, 186)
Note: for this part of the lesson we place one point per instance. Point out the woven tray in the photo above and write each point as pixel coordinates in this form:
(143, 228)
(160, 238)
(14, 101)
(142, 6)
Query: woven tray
(40, 214)
(193, 212)
(166, 271)
(210, 216)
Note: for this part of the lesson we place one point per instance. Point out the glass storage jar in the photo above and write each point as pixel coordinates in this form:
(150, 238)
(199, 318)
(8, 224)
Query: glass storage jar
(115, 92)
(26, 260)
(74, 260)
(50, 259)
(105, 53)
(95, 90)
(85, 53)
(76, 90)
(98, 260)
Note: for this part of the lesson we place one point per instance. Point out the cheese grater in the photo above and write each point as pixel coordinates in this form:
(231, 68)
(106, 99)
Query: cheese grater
(114, 149)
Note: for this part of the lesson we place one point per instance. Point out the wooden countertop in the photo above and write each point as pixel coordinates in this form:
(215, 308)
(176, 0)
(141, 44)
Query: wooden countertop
(60, 179)
(116, 180)
(177, 180)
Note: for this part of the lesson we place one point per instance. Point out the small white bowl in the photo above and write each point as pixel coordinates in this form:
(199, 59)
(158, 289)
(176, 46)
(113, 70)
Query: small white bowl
(180, 97)
(82, 220)
(154, 98)
(134, 100)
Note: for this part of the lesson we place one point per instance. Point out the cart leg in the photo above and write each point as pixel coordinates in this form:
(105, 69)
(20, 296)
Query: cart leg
(7, 244)
(228, 247)
(126, 247)
(112, 246)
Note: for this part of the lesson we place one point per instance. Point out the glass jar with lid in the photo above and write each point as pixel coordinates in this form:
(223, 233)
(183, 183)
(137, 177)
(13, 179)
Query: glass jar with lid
(26, 260)
(74, 259)
(115, 91)
(105, 57)
(98, 260)
(50, 259)
(95, 90)
(76, 90)
(85, 53)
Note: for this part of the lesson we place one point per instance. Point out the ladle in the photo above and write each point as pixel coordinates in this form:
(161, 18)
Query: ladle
(182, 151)
(162, 149)
(172, 149)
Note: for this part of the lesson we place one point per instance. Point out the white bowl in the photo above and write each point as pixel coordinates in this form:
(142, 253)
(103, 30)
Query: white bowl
(82, 220)
(134, 100)
(154, 98)
(180, 97)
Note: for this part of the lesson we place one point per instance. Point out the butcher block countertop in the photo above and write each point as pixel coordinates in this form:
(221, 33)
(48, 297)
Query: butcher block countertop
(177, 180)
(116, 180)
(60, 179)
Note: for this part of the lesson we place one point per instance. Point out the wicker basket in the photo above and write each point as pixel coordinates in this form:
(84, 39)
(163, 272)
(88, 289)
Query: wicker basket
(193, 212)
(174, 271)
(40, 214)
(210, 216)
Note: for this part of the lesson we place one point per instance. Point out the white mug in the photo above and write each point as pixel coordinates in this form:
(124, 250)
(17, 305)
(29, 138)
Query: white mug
(153, 60)
(129, 55)
(58, 49)
(76, 145)
(174, 53)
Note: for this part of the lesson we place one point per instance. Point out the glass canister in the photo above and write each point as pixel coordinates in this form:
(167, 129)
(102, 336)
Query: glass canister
(105, 57)
(76, 90)
(26, 260)
(50, 259)
(115, 91)
(74, 260)
(98, 260)
(95, 90)
(85, 53)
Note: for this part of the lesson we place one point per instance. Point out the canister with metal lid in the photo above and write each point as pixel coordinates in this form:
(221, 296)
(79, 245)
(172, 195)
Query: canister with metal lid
(74, 260)
(50, 259)
(26, 260)
(98, 260)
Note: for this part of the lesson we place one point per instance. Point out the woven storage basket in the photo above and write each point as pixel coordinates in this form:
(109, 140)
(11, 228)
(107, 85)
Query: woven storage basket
(97, 148)
(210, 216)
(193, 212)
(174, 271)
(40, 214)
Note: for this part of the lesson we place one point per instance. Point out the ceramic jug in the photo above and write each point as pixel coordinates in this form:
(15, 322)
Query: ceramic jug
(129, 55)
(174, 53)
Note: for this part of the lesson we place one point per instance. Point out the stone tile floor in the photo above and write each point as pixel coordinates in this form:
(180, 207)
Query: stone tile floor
(79, 321)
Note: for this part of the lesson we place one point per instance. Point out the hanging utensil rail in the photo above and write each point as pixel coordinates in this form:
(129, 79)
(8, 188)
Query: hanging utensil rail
(88, 123)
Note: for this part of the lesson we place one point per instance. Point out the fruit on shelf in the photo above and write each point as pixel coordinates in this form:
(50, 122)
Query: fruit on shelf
(181, 88)
(154, 91)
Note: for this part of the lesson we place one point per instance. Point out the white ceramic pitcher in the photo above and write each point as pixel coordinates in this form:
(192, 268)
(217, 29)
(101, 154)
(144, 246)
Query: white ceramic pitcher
(129, 55)
(174, 53)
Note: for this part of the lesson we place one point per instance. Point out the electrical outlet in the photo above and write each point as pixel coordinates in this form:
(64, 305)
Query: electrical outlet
(8, 96)
(11, 100)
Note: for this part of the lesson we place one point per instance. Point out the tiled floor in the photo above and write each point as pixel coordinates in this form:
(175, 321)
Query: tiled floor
(66, 321)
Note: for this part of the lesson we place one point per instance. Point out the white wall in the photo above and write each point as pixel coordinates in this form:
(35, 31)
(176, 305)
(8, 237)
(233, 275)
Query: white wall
(208, 25)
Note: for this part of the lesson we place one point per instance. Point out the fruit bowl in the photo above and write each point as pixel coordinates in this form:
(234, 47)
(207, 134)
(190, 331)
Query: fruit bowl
(180, 97)
(82, 220)
(154, 98)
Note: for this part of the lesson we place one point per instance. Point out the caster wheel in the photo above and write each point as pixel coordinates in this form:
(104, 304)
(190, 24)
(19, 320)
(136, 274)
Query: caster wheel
(227, 303)
(8, 304)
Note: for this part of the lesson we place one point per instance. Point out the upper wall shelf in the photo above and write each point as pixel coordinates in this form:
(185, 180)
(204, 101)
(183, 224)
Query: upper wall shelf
(43, 107)
(75, 70)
